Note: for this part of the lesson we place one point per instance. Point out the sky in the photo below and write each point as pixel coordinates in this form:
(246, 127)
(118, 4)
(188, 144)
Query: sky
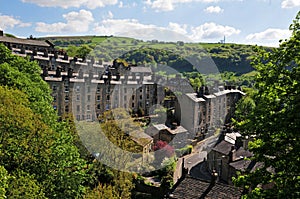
(261, 22)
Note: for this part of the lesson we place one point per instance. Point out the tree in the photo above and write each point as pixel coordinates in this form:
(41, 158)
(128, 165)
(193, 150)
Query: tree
(33, 144)
(274, 122)
(83, 51)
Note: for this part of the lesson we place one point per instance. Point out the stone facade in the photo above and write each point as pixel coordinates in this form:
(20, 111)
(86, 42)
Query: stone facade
(205, 110)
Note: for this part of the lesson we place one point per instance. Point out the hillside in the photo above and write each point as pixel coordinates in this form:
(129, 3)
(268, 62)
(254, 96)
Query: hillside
(183, 57)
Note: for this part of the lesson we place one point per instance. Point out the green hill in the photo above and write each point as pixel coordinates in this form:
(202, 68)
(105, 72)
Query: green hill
(183, 57)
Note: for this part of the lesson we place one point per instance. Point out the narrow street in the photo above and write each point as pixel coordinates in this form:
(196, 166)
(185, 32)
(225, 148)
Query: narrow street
(195, 161)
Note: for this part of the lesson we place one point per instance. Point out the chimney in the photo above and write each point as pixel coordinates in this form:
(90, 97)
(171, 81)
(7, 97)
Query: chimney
(231, 153)
(206, 92)
(70, 72)
(1, 33)
(200, 91)
(58, 72)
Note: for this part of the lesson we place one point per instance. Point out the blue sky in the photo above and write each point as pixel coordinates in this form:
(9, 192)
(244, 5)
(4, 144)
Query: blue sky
(261, 22)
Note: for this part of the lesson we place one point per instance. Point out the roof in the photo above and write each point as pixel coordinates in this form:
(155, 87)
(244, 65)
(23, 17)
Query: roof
(193, 96)
(25, 41)
(179, 129)
(191, 188)
(241, 153)
(231, 137)
(140, 138)
(154, 129)
(223, 147)
(243, 165)
(141, 69)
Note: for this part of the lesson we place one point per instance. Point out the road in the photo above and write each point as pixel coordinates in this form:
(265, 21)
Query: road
(194, 162)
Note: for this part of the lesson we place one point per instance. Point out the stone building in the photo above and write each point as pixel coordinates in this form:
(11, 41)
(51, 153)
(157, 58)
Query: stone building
(206, 110)
(87, 87)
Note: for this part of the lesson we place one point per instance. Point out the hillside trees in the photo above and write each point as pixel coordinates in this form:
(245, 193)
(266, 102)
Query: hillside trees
(274, 121)
(34, 147)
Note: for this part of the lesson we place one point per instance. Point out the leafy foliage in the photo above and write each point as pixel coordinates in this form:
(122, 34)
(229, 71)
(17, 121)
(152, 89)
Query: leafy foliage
(274, 120)
(34, 146)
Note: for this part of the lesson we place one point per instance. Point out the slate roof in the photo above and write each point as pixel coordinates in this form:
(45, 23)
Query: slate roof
(192, 188)
(243, 165)
(241, 153)
(223, 147)
(25, 41)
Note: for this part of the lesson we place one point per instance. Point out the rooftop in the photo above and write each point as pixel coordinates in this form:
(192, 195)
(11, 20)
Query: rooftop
(223, 147)
(24, 41)
(191, 188)
(193, 96)
(178, 130)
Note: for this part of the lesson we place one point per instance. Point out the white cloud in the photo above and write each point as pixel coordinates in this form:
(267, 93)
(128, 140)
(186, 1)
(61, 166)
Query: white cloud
(133, 28)
(11, 22)
(182, 29)
(91, 4)
(168, 5)
(212, 31)
(290, 3)
(117, 26)
(173, 32)
(213, 9)
(269, 37)
(76, 22)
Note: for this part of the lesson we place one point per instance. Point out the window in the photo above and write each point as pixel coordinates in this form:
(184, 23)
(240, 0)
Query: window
(66, 108)
(66, 88)
(98, 98)
(77, 97)
(125, 98)
(88, 89)
(132, 97)
(89, 98)
(54, 99)
(125, 90)
(107, 97)
(78, 108)
(98, 89)
(88, 117)
(141, 96)
(98, 106)
(77, 88)
(88, 107)
(78, 117)
(66, 98)
(132, 105)
(54, 88)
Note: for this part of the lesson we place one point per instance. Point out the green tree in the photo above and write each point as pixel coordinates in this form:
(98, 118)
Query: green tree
(274, 122)
(31, 139)
(83, 51)
(4, 177)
